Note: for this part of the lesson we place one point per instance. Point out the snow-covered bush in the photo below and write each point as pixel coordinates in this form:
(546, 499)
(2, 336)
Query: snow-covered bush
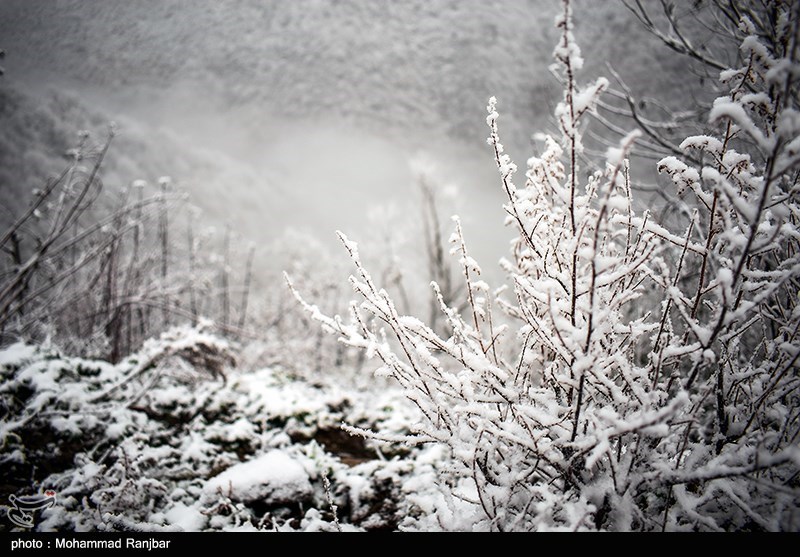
(99, 272)
(406, 253)
(584, 403)
(729, 330)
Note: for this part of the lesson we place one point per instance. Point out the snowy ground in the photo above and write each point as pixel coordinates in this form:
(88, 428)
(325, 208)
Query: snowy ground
(174, 438)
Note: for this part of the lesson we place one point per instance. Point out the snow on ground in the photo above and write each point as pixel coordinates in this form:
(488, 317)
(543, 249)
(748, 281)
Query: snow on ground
(156, 443)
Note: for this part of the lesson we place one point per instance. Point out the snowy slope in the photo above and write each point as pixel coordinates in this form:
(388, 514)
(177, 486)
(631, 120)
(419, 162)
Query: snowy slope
(407, 65)
(322, 101)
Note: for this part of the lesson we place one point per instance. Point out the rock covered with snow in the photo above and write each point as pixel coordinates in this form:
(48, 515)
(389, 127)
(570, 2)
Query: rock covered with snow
(272, 478)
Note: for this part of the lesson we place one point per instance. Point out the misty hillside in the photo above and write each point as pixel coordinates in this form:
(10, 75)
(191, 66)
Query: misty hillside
(263, 101)
(406, 65)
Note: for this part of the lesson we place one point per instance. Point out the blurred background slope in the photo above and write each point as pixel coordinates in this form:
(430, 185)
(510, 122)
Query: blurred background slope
(299, 114)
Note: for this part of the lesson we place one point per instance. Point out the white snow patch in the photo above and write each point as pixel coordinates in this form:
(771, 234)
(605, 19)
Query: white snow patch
(17, 353)
(190, 519)
(274, 477)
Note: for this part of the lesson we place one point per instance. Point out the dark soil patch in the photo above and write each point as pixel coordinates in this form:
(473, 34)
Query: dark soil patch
(350, 449)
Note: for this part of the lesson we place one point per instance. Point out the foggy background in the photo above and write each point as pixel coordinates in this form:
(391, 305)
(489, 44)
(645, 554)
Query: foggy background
(300, 115)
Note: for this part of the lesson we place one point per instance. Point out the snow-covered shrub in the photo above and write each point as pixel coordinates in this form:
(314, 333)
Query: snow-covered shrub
(277, 344)
(582, 405)
(100, 272)
(729, 333)
(402, 269)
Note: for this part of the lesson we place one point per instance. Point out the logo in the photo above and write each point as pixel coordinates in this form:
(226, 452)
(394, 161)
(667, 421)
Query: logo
(22, 513)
